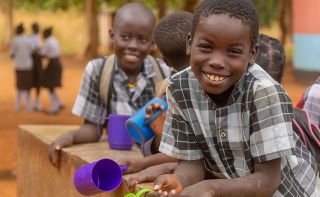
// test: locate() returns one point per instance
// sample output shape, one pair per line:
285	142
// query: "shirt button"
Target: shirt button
223	134
212	132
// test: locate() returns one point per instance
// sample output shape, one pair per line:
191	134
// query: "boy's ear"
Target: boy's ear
253	54
152	46
111	35
188	44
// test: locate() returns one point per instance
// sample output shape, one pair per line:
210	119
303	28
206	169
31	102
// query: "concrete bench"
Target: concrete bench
36	176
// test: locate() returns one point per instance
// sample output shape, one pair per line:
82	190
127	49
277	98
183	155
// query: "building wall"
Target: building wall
306	38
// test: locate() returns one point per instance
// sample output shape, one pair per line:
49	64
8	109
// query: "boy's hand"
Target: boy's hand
157	124
56	146
150	174
134	165
166	185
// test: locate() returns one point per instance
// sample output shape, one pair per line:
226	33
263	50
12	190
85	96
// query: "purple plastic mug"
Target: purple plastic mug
118	136
101	176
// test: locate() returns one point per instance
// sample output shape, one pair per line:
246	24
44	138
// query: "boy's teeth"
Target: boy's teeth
214	77
131	56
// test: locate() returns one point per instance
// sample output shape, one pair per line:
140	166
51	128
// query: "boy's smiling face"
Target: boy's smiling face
220	52
132	37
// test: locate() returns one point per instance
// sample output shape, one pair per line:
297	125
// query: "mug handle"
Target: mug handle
153	117
139	193
123	168
99	123
143	191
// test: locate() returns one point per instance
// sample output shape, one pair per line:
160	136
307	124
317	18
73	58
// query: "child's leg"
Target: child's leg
26	94
58	100
17	106
54	104
37	105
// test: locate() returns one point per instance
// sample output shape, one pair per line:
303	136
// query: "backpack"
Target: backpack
107	74
303	96
308	132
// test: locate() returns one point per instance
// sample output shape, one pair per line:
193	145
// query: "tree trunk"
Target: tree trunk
285	19
162	5
190	5
92	29
6	9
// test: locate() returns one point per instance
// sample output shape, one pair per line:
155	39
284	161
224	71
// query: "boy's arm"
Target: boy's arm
263	182
157	126
136	165
86	133
186	173
152	145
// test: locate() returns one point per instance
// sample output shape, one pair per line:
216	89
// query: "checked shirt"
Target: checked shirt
254	127
89	105
312	102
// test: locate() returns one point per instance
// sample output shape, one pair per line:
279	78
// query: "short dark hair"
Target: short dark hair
239	9
35	27
20	29
133	7
171	34
47	32
271	56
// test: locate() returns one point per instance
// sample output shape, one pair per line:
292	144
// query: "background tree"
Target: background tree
270	11
285	19
6	7
190	5
92	29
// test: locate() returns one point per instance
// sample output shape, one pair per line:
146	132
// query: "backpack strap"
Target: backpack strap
106	75
159	76
314	130
311	132
300	132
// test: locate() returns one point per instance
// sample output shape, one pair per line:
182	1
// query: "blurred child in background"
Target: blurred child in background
53	72
37	65
21	50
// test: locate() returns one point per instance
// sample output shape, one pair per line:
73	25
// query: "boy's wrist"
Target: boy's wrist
181	180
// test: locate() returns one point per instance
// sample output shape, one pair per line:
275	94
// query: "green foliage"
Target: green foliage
267	8
267	11
48	4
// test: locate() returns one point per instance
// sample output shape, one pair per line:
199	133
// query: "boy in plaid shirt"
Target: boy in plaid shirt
228	116
132	85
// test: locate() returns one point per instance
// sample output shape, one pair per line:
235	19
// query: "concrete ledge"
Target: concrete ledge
37	177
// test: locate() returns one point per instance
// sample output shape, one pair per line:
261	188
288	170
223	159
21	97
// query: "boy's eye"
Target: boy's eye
234	51
143	40
205	46
125	37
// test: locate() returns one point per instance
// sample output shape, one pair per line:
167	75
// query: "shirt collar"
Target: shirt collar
147	69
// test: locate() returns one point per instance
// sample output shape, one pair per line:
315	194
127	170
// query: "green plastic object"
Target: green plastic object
139	193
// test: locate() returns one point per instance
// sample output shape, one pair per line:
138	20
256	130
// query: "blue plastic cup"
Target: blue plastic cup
104	175
139	128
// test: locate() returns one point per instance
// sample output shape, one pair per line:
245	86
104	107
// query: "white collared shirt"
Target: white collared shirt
21	48
51	48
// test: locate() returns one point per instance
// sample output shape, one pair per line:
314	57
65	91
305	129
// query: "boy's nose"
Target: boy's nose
217	59
133	44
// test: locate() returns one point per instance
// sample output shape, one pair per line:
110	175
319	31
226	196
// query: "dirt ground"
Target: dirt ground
72	73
